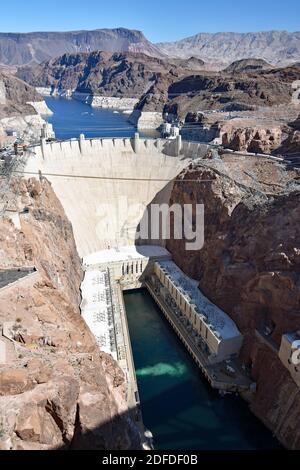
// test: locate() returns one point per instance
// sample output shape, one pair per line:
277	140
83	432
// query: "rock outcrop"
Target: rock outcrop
21	107
99	73
248	65
15	96
290	146
253	139
57	389
250	267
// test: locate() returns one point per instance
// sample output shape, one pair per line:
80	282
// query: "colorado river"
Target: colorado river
178	406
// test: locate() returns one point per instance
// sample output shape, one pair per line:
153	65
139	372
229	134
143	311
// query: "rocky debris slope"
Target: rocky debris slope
250	267
57	389
276	47
28	48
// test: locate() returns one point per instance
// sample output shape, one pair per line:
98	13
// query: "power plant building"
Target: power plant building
214	327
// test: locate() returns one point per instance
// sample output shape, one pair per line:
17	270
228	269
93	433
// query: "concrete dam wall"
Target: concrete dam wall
105	184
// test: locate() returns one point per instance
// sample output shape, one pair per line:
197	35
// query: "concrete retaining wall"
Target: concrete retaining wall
146	119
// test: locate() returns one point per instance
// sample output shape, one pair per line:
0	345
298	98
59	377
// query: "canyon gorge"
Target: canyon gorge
80	276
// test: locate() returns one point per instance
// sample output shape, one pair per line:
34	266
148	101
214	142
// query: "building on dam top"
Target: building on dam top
217	331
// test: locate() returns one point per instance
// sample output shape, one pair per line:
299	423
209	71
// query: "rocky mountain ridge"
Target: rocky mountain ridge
28	48
166	85
118	74
276	47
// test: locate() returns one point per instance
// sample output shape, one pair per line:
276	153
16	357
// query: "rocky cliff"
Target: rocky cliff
217	91
251	139
57	389
15	95
250	267
21	110
246	93
178	87
102	73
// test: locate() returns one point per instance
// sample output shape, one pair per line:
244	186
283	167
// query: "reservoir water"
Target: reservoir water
178	405
71	118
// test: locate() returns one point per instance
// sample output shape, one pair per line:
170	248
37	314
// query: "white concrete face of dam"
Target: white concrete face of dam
105	184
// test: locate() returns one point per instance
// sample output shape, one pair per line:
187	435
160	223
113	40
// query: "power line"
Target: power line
114	178
105	178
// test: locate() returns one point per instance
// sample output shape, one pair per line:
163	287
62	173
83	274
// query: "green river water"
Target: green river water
178	405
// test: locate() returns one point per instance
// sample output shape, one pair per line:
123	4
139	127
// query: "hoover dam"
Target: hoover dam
105	187
149	242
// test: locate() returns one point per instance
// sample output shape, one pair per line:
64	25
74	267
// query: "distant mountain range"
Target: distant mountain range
275	47
28	48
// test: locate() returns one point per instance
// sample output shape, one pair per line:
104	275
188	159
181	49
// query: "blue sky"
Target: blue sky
159	20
